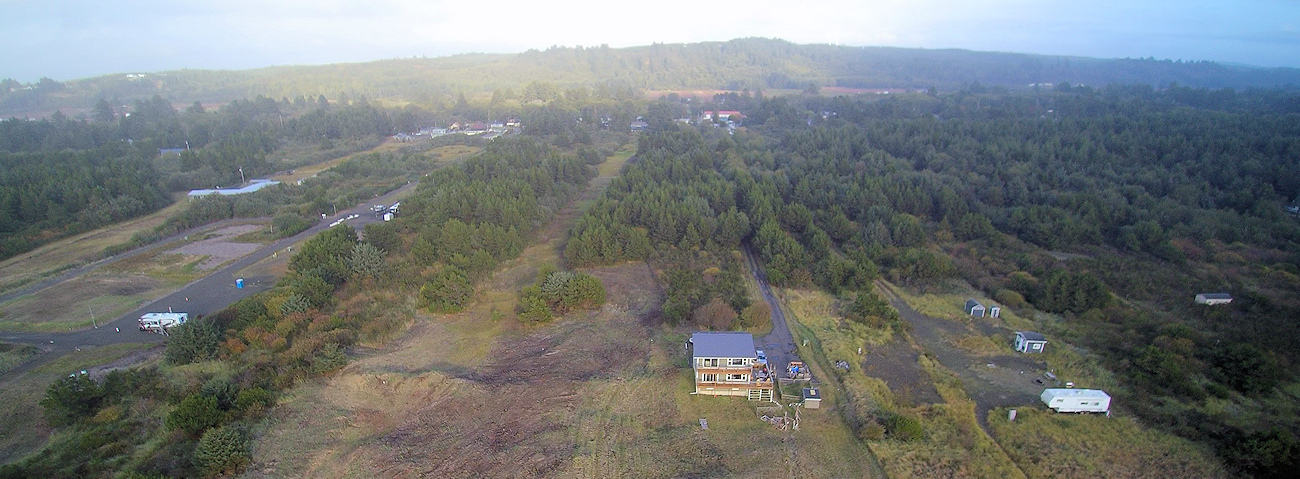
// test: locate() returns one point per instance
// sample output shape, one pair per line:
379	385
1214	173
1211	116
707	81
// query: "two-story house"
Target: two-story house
726	364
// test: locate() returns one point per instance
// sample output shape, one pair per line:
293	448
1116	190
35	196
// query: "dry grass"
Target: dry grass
596	394
69	252
1047	444
953	444
25	430
69	305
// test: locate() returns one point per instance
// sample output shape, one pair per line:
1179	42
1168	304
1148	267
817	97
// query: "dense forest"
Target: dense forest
1160	194
753	63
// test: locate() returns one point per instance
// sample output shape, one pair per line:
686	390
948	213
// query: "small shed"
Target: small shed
1030	342
1211	299
812	399
974	308
1076	400
995	311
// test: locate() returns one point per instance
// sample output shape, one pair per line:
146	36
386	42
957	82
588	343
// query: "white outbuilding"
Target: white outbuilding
1076	400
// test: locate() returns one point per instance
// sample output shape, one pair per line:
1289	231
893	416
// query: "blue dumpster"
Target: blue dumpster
239	283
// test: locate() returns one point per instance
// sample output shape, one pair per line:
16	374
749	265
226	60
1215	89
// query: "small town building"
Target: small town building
1076	400
1030	342
726	364
812	398
974	308
1211	299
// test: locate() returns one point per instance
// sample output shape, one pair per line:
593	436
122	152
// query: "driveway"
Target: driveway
779	343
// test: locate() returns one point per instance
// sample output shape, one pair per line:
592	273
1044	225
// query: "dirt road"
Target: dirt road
202	297
779	343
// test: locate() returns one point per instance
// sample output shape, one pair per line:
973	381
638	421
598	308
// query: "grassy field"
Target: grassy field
70	252
1047	444
24	429
108	291
951	445
11	355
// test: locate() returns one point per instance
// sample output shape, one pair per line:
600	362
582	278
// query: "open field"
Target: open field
1048	444
70	252
24	429
603	393
951	444
123	285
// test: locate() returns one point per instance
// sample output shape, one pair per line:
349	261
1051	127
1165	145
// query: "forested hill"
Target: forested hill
756	64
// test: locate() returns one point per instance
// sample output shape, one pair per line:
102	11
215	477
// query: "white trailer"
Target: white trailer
1076	400
160	321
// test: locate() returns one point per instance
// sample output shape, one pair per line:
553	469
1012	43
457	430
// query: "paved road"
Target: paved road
778	344
202	297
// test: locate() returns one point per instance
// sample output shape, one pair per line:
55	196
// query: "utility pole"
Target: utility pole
92	317
241	176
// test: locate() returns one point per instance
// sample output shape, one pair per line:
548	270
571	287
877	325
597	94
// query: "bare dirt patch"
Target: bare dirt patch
219	247
896	364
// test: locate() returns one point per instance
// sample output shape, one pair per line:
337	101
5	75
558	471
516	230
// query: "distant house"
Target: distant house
639	125
726	364
1030	342
1211	299
721	115
170	151
974	308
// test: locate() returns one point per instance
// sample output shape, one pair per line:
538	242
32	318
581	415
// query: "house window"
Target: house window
709	362
736	362
709	378
735	377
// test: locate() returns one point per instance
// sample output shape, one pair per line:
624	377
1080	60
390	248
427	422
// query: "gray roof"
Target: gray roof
970	303
1031	336
1216	295
723	345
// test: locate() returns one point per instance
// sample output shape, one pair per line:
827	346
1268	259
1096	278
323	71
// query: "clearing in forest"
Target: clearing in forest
603	393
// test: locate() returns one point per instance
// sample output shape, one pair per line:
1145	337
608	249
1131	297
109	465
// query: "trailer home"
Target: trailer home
1076	400
159	321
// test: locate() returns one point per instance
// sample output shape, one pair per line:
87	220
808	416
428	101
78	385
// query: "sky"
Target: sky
70	39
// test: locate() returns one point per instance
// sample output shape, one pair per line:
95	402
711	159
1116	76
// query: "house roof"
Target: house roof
1031	336
723	345
970	303
1216	295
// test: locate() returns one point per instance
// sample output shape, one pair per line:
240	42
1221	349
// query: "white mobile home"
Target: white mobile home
1076	400
159	321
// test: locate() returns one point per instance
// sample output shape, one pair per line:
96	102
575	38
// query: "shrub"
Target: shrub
194	341
71	399
755	314
904	428
252	399
195	414
221	451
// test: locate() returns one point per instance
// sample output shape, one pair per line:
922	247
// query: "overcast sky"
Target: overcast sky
79	38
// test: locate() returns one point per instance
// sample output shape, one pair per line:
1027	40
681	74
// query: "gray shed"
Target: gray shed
974	308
